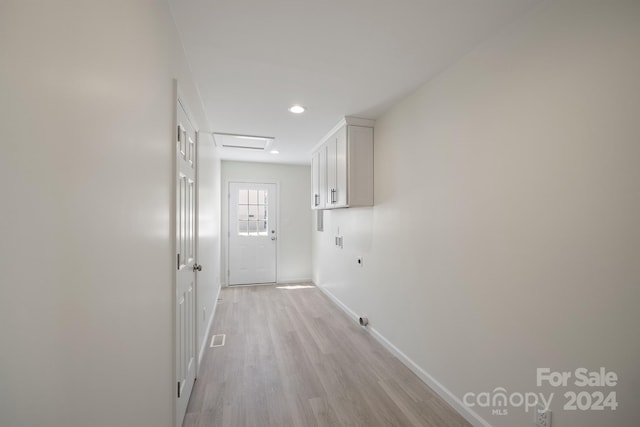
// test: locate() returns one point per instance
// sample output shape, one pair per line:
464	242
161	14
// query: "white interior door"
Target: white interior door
252	233
186	193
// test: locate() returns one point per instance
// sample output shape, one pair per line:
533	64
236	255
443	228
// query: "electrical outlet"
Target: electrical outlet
543	418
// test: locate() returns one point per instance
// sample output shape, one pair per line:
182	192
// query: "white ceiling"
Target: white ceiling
253	59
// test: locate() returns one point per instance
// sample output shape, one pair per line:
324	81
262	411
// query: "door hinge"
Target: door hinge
178	389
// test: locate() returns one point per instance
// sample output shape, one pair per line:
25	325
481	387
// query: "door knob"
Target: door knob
197	267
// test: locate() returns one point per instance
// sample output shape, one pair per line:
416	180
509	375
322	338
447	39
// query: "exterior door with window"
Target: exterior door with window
252	233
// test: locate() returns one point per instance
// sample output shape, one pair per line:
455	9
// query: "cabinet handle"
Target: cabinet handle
333	193
316	199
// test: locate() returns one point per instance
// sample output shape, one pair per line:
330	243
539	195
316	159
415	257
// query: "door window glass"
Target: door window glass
252	212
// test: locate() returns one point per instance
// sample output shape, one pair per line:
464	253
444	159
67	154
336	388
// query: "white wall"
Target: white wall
208	280
86	314
504	235
294	234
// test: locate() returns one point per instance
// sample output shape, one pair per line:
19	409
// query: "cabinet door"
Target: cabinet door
342	160
322	177
315	180
319	178
331	172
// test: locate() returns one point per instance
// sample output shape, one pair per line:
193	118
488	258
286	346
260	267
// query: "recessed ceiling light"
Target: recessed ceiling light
274	152
297	109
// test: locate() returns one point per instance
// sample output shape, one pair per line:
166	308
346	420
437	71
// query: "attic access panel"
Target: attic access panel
242	142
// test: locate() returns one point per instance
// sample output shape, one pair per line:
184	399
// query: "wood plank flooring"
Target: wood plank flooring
292	358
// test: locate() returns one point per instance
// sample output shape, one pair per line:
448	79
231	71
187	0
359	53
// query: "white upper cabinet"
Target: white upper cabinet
342	166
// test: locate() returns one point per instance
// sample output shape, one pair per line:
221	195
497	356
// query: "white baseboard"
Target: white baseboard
278	282
209	324
286	281
469	414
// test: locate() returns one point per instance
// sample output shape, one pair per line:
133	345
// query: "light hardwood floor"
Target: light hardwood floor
292	358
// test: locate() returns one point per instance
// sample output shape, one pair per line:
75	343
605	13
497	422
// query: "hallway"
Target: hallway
292	358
